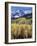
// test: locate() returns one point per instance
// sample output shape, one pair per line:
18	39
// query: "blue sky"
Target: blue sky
14	8
20	10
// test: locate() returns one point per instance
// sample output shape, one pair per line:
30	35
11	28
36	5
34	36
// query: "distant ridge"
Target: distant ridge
21	13
26	16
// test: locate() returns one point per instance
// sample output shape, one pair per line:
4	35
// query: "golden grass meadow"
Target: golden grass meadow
21	28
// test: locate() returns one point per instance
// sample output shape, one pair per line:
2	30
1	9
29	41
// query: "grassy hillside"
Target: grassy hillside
21	28
20	20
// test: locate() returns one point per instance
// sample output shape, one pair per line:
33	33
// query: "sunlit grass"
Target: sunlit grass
21	19
21	29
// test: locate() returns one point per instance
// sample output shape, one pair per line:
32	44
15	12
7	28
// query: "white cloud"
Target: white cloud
16	16
28	11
